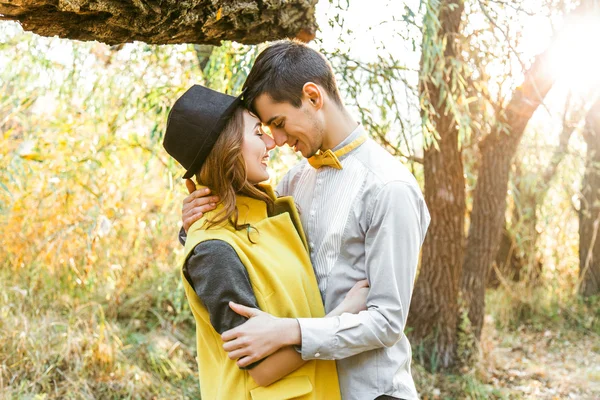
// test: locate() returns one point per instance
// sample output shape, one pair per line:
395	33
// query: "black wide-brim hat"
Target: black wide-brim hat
195	123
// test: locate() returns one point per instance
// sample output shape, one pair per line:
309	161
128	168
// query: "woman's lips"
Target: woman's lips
265	160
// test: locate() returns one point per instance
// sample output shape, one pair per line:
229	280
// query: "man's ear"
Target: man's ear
314	94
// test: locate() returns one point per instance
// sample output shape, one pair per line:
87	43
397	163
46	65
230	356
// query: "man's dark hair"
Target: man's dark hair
283	68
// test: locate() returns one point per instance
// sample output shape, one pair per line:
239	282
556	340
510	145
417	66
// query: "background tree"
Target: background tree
517	257
589	211
489	198
434	313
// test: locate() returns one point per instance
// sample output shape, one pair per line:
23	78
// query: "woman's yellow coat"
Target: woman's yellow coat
284	284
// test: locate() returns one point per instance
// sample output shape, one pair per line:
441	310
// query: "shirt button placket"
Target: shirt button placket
313	210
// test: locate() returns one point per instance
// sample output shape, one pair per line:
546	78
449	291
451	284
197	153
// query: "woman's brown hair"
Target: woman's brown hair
224	172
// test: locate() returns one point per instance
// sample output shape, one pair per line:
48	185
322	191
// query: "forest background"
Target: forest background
494	106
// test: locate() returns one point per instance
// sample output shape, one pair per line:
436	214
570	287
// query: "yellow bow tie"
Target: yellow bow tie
330	158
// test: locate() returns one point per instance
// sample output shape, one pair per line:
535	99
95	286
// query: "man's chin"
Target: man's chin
312	153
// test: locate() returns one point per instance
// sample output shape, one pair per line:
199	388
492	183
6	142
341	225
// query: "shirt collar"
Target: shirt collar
356	133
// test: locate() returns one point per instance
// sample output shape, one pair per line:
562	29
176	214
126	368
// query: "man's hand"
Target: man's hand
196	204
260	336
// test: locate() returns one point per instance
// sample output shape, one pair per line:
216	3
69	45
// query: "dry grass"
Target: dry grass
58	346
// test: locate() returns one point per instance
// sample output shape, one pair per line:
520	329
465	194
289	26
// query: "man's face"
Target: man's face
300	128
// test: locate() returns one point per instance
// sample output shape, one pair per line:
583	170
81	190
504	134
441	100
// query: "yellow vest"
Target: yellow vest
284	284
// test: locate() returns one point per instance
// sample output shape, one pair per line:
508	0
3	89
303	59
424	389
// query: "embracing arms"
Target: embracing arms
397	222
219	278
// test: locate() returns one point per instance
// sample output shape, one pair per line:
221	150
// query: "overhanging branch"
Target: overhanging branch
165	22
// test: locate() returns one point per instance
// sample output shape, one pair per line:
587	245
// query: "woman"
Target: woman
250	250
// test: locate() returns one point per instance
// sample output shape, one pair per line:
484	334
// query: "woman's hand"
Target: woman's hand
355	301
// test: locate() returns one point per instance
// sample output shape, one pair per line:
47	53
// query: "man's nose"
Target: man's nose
280	137
269	142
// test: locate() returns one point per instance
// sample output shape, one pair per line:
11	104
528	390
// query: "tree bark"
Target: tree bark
517	262
489	199
434	308
487	219
165	22
589	211
508	263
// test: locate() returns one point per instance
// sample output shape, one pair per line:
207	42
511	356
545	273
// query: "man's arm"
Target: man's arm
398	220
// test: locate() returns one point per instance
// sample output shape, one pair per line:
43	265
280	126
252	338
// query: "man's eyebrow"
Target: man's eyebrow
269	122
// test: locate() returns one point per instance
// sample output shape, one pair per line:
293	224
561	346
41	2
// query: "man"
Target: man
365	218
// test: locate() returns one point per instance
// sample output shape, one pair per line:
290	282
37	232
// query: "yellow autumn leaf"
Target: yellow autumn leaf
32	157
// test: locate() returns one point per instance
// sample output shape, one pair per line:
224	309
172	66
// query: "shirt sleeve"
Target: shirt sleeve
218	276
398	221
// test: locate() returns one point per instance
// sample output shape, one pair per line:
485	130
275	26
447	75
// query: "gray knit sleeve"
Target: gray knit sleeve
218	276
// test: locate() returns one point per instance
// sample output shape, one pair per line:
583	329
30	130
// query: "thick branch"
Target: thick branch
165	22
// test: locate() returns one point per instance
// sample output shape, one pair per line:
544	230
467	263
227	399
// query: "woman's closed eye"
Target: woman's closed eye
258	131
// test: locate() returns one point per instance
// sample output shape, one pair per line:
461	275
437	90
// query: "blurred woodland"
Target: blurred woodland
494	105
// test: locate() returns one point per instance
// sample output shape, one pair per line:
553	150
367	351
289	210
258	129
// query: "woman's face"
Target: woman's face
255	149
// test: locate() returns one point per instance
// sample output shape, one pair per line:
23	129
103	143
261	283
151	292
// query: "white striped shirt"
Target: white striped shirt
365	221
325	199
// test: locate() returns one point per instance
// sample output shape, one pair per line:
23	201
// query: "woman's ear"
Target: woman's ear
314	94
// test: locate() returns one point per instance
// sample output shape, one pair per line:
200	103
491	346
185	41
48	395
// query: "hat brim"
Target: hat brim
216	131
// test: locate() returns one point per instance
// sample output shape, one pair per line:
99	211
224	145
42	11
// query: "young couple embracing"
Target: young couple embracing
301	292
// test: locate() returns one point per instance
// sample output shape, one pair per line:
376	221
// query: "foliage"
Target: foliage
89	206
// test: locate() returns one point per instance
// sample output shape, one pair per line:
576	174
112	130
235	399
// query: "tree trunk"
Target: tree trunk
519	261
434	308
508	263
489	200
166	22
487	220
589	211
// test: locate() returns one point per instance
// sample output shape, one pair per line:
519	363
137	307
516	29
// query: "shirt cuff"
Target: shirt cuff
318	337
